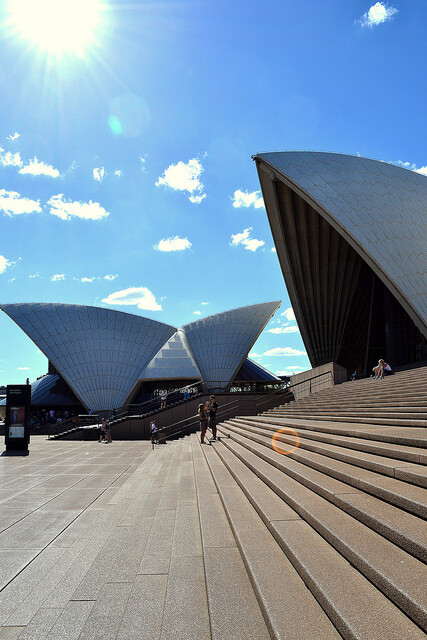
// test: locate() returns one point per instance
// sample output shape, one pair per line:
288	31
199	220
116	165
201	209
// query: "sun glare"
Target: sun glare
58	26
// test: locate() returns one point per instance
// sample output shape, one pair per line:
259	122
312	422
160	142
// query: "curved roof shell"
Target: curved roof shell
379	208
220	343
50	390
100	353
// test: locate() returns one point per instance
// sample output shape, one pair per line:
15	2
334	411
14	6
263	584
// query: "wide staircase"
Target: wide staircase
326	498
304	523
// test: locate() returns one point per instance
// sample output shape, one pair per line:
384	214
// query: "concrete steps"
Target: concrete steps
319	533
411	472
357	576
346	502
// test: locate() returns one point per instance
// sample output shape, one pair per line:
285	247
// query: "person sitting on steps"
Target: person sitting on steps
381	369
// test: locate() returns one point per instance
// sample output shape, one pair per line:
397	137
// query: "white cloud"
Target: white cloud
143	161
4	264
288	371
243	238
284	330
204	303
12	203
66	209
185	177
23	368
408	165
284	351
85	279
197	199
197	313
253	244
289	314
118	173
273	249
110	276
379	12
255	355
14	136
139	296
245	199
57	277
12	280
98	174
34	275
173	244
36	168
9	159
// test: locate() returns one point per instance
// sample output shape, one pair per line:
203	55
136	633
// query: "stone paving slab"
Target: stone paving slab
186	614
143	617
289	606
233	607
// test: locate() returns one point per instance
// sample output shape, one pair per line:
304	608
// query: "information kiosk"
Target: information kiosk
17	422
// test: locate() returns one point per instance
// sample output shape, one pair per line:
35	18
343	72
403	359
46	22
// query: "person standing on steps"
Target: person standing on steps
153	432
203	420
163	399
213	407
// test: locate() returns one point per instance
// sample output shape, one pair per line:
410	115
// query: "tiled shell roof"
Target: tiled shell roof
221	342
379	207
99	352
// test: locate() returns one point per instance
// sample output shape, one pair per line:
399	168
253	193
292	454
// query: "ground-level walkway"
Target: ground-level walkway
105	541
190	542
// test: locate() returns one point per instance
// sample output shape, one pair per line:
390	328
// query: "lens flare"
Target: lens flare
115	125
286	430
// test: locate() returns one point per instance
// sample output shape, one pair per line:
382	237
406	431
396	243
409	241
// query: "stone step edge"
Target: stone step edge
410	545
404	453
347	477
325	427
341	618
406	473
346	410
390	422
370	572
274	615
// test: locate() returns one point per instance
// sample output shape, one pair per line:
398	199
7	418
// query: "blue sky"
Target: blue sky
126	177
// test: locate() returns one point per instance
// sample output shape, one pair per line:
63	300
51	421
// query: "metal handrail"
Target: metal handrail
288	389
319	375
195	420
76	422
141	406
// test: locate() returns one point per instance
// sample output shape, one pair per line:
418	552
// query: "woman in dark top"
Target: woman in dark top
203	418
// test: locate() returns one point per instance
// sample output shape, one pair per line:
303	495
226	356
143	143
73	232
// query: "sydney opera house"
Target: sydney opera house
350	235
103	358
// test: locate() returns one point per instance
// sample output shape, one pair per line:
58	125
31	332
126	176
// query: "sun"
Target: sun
58	26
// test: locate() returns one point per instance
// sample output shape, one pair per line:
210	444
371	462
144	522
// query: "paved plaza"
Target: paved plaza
105	541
